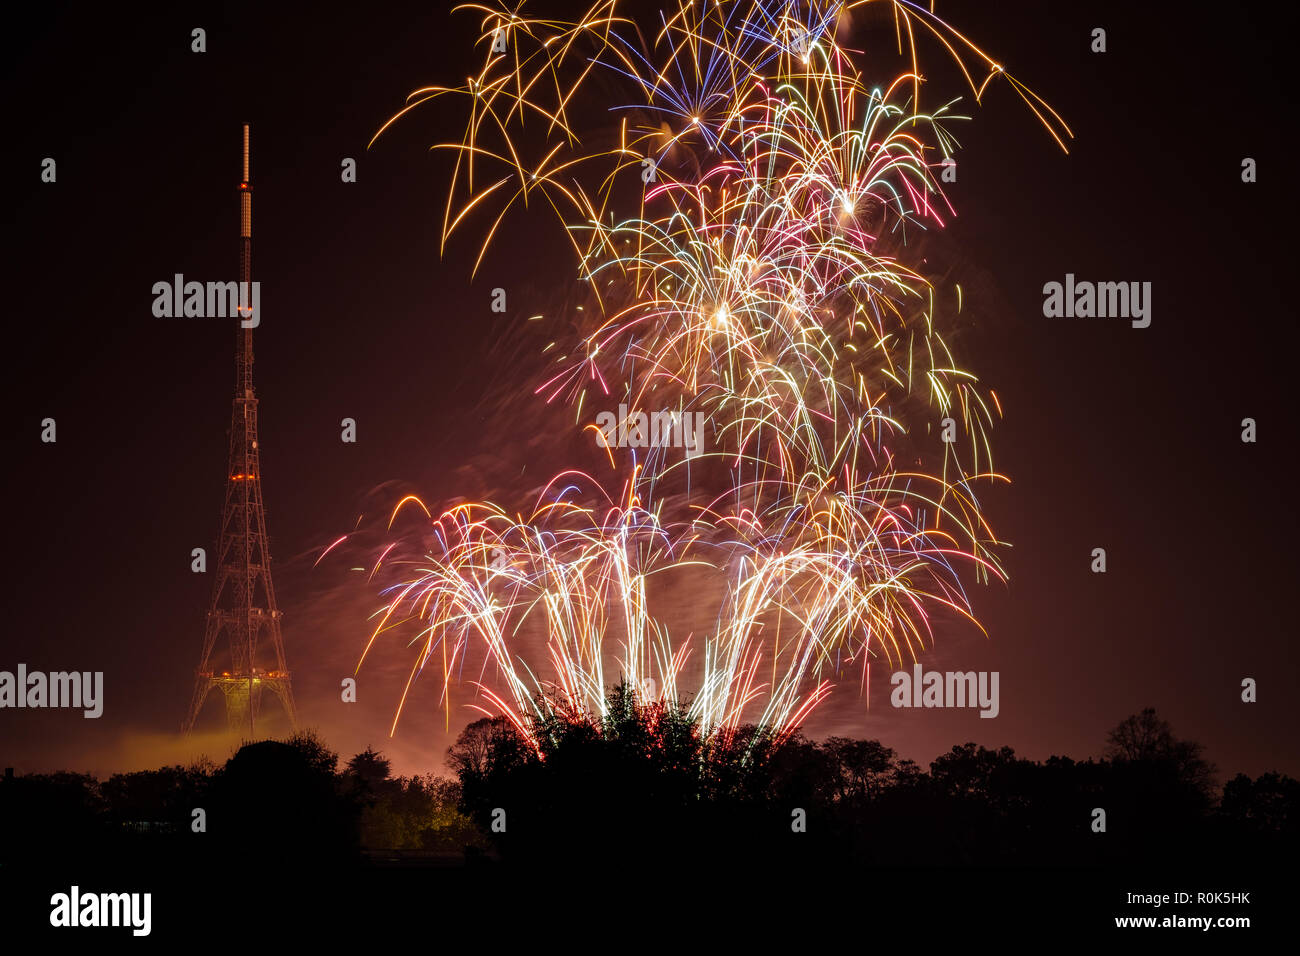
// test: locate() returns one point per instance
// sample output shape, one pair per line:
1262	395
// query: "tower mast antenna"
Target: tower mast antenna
243	598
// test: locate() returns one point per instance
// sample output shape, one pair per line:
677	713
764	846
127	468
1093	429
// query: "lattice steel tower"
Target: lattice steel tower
243	599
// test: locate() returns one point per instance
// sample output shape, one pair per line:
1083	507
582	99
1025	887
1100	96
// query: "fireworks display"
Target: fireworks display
743	213
731	463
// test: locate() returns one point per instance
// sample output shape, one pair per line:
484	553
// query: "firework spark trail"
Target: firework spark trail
761	285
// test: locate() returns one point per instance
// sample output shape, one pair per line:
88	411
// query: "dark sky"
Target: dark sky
1113	437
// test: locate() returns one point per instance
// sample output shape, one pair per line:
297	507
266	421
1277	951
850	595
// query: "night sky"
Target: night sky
1114	437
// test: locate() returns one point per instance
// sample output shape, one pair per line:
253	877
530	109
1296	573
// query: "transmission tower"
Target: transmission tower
243	599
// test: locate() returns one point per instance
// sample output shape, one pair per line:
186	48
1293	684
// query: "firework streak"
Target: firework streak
760	282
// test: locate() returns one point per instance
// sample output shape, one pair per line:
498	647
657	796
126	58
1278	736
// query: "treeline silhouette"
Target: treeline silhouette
288	798
643	779
643	784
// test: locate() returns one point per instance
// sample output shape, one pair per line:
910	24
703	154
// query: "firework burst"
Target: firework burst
759	281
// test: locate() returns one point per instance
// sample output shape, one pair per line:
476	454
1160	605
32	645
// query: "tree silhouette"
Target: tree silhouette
1146	739
370	767
863	767
287	792
1268	803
